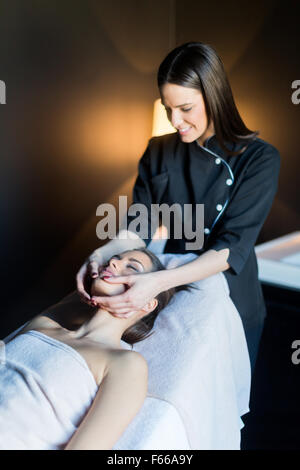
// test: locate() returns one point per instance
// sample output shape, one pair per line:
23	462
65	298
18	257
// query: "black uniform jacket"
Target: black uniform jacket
235	204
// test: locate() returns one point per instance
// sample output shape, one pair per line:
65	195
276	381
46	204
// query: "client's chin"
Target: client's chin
100	287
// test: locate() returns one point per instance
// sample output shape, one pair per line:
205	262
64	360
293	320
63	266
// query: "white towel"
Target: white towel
46	388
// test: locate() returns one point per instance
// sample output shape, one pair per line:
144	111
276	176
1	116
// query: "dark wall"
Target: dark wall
81	80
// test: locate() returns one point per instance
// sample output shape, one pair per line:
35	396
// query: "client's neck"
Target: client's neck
103	328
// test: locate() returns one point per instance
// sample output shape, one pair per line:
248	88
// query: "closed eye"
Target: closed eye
133	267
184	110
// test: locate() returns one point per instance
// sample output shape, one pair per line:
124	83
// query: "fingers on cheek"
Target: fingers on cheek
128	300
117	315
114	310
129	314
109	310
120	312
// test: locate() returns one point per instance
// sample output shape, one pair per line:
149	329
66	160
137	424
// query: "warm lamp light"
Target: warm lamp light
161	124
161	233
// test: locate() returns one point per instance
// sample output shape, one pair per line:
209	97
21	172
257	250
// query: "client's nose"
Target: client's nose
114	265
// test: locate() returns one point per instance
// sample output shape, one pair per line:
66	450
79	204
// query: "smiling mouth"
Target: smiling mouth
184	131
106	274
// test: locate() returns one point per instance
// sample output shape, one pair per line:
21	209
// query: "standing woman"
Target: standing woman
215	160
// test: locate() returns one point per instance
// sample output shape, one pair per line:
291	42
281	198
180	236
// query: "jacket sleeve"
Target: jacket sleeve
246	213
139	221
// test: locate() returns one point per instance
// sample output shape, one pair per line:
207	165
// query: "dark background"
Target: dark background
81	81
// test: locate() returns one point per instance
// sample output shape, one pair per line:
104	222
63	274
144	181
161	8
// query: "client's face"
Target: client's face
129	262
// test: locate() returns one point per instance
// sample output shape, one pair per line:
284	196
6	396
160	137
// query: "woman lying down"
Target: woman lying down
66	388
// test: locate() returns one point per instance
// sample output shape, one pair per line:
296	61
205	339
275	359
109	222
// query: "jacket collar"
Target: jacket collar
211	143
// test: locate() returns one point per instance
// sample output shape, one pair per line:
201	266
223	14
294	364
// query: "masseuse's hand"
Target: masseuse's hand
142	288
90	269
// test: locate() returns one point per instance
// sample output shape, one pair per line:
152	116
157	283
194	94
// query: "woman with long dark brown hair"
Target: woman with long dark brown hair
212	159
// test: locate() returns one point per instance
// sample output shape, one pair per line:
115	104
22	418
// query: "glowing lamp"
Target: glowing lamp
161	124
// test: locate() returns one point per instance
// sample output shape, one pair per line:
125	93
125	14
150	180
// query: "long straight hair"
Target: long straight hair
197	65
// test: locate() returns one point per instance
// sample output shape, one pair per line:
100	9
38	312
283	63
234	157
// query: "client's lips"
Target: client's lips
106	273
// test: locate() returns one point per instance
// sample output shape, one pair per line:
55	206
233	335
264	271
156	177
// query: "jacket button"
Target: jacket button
206	231
219	207
217	161
229	182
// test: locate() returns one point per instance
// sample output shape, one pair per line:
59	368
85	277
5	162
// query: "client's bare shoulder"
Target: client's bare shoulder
39	322
126	376
109	361
123	358
133	365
